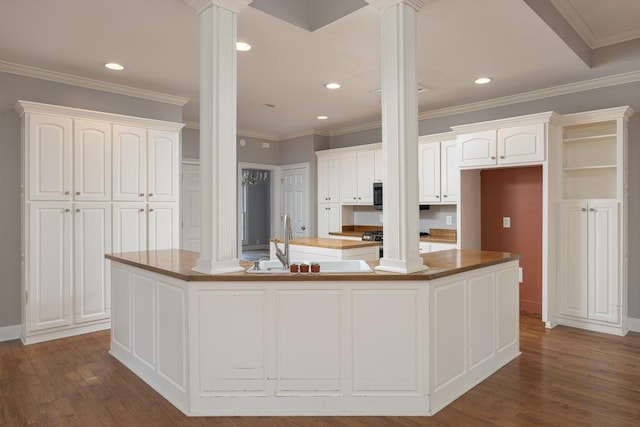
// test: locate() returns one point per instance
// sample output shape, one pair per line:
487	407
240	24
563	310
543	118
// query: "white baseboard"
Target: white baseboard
633	324
8	333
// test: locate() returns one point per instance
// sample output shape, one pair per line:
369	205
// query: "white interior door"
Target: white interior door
191	207
295	197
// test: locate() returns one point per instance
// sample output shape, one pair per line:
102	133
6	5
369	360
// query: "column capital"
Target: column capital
233	5
385	4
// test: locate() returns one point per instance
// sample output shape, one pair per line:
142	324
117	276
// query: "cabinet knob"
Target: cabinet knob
77	193
354	198
141	194
583	209
444	195
66	193
67	210
150	194
591	209
493	157
78	210
150	210
359	198
502	157
437	197
141	209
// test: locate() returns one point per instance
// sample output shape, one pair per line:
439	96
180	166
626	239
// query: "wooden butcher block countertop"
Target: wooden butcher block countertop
327	243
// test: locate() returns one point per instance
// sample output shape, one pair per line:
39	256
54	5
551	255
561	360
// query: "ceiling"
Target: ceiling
526	46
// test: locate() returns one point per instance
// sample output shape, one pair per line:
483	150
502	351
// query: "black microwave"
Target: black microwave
377	195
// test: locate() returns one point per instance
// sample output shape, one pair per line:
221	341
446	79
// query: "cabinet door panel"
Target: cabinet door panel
92	237
365	172
162	166
603	261
328	179
429	172
521	144
477	149
572	259
129	227
378	165
49	283
49	143
163	226
92	160
348	179
450	172
129	163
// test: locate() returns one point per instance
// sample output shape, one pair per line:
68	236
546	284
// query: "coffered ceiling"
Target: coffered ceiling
526	46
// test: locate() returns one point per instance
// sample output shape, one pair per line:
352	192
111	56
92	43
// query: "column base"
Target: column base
401	266
206	266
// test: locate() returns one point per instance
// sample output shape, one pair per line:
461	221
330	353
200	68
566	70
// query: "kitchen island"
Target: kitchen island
373	343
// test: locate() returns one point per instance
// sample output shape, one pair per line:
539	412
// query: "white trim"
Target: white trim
304	133
191	125
35	107
633	324
258	135
8	333
68	79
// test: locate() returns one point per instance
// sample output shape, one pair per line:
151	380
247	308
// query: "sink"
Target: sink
326	266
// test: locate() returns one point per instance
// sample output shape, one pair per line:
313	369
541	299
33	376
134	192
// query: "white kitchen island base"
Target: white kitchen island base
364	346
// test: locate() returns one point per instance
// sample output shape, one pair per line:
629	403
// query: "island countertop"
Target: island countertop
178	263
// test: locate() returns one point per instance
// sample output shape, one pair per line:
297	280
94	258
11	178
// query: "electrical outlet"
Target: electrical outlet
381	219
448	219
520	274
506	222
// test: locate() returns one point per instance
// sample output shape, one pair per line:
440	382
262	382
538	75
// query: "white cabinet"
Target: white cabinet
48	145
92	239
49	268
378	166
328	178
328	219
439	175
522	144
144	226
427	247
589	260
75	163
356	177
92	160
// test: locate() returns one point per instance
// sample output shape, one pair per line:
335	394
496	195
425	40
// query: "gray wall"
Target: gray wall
12	89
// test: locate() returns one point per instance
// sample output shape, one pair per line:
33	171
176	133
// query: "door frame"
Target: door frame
311	218
274	194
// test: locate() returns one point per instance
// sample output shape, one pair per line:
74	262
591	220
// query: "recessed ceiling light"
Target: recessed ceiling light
242	46
322	117
114	66
332	85
483	80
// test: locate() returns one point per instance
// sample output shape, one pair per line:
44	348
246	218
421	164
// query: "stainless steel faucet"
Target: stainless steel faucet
284	257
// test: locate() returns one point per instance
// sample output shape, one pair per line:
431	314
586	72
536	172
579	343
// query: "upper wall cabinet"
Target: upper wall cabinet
519	141
438	172
49	150
356	177
328	178
92	160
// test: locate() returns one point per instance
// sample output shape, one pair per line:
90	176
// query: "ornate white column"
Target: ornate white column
400	135
218	159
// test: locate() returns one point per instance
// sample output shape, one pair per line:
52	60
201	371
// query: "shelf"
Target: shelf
588	138
581	168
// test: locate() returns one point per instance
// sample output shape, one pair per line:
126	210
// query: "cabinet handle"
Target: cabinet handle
444	195
493	157
437	197
359	198
502	157
141	194
141	209
150	210
354	198
583	209
78	210
66	193
591	209
67	210
150	194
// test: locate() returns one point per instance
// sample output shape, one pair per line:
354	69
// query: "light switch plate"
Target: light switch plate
506	222
448	219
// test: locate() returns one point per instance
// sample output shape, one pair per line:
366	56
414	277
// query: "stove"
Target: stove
373	236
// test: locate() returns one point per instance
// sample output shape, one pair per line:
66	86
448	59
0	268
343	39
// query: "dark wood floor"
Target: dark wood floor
564	377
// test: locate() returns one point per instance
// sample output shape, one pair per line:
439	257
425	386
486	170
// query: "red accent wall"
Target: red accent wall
516	193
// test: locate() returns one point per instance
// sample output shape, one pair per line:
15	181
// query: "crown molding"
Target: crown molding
68	79
257	135
232	5
303	133
191	125
385	4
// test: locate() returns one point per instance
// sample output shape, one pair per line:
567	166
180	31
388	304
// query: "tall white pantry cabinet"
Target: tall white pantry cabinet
82	173
592	220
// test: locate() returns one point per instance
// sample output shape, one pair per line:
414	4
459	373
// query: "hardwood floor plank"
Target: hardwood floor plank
564	377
